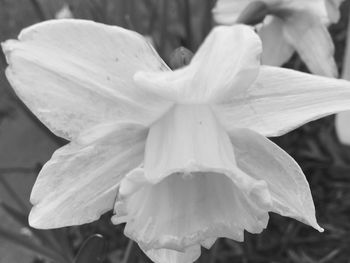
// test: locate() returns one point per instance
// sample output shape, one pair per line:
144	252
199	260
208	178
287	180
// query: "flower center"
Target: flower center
187	139
190	190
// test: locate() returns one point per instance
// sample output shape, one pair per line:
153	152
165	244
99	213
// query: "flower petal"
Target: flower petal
342	126
208	243
226	12
276	50
282	99
74	74
172	256
227	62
263	160
333	12
315	7
80	181
189	190
188	138
309	36
184	210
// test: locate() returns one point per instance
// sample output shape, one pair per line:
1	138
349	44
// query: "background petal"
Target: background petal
309	36
226	12
282	99
342	119
276	50
74	74
316	7
80	181
226	63
342	126
263	160
332	7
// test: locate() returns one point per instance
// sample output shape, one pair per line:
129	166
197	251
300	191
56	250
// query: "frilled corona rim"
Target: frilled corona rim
185	209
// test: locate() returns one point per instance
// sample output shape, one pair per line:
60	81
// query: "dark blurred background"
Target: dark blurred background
25	145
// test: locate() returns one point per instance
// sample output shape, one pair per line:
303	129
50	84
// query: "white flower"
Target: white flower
299	25
180	155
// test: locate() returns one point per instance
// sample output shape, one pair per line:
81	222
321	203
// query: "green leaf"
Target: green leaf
21	218
30	245
46	237
15	196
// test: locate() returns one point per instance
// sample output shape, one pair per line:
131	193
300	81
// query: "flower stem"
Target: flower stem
187	21
13	194
128	251
163	23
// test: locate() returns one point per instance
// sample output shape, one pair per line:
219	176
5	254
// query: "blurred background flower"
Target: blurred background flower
342	120
290	25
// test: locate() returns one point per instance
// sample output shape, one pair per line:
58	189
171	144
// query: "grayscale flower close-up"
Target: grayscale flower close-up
175	132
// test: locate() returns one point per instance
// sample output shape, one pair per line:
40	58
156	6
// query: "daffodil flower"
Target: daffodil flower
181	156
294	25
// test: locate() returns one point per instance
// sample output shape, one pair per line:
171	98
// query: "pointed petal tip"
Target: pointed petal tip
7	48
313	223
316	226
39	218
36	221
309	220
320	229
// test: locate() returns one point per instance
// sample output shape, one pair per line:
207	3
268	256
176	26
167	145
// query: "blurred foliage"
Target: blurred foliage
172	24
